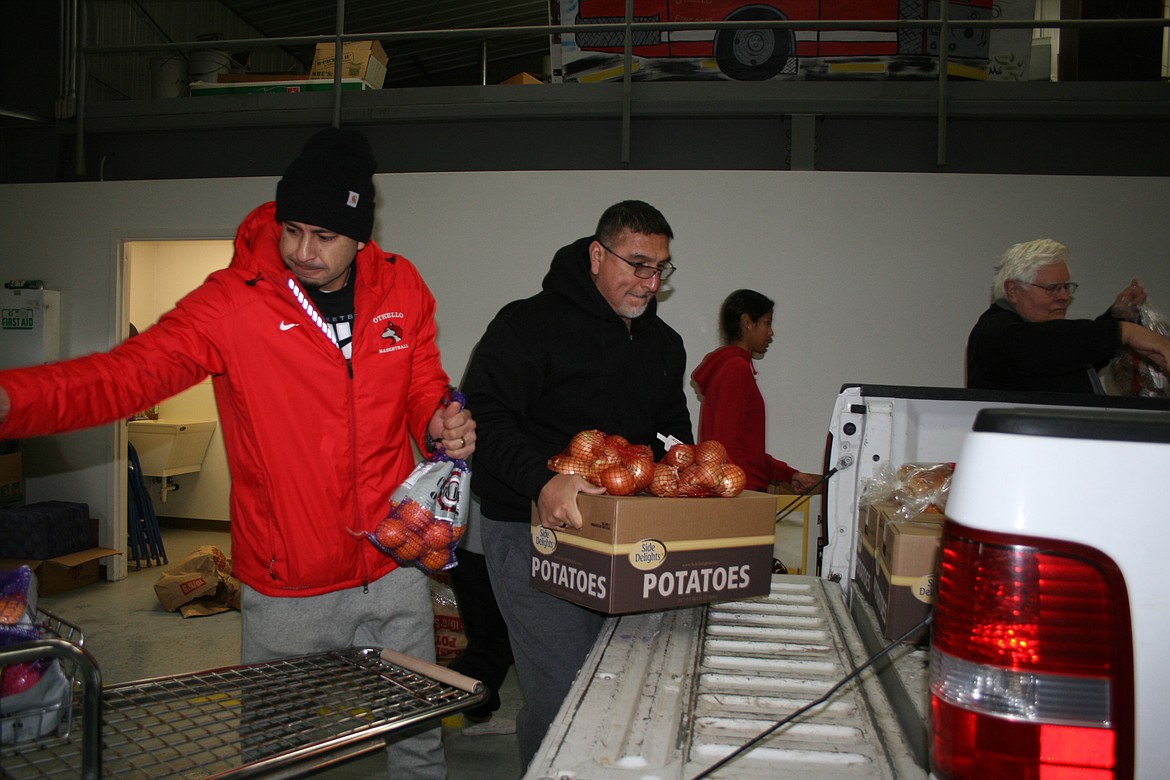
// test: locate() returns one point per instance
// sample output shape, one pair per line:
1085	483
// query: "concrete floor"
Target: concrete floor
134	638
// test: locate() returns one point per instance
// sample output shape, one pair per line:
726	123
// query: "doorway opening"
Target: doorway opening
157	274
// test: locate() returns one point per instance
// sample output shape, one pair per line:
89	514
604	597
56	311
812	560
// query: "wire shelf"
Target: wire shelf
283	717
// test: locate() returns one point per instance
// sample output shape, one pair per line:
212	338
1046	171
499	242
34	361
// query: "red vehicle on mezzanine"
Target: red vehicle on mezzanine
748	54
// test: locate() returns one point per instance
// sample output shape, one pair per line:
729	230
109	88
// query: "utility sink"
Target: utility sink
169	447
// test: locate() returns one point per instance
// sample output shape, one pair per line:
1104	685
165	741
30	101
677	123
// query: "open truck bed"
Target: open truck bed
668	694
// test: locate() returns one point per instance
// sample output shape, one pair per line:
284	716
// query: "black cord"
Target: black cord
786	511
827	695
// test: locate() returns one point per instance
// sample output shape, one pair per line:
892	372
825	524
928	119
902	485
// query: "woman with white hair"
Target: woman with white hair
1024	342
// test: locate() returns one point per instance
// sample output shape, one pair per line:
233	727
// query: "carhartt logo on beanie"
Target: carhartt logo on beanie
331	184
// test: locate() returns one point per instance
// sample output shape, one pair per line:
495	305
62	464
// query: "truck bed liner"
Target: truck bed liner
668	694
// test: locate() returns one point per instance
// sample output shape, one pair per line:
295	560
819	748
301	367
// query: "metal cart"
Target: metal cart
282	718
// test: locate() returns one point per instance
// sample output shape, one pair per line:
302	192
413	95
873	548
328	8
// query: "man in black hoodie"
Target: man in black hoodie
587	352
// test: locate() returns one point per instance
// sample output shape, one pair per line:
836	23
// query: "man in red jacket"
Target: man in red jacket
322	351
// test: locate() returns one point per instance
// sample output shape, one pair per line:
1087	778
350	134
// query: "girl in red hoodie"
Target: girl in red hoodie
733	408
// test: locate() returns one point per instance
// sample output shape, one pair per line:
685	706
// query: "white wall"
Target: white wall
878	276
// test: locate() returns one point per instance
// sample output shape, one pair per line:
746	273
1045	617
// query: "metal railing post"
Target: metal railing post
627	75
338	50
79	79
943	74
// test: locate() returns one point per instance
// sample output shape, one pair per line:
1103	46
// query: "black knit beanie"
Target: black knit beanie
331	184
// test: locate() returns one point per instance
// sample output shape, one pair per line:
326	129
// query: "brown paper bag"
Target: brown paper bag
225	598
200	584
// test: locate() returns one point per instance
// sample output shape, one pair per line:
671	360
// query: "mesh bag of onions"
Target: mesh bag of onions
623	469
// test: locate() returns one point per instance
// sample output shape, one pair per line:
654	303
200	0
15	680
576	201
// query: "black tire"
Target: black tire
753	55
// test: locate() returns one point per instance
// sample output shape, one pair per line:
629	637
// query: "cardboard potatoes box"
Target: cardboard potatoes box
869	521
65	572
11	479
640	553
365	60
907	569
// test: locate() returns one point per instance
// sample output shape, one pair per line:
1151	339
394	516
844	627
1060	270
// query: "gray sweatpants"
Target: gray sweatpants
550	637
395	613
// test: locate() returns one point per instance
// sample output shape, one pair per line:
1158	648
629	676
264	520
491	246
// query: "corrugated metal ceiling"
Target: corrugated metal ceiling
418	61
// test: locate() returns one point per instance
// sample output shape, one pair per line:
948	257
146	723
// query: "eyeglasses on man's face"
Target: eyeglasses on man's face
644	270
1058	287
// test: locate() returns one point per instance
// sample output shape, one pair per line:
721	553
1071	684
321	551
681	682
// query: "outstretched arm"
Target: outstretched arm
1152	346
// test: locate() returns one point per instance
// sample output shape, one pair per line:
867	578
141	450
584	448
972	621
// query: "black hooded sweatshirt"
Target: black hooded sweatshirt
561	362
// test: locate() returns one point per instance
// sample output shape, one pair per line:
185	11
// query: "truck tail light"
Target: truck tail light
1031	661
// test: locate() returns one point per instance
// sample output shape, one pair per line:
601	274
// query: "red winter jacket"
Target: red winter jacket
733	414
314	446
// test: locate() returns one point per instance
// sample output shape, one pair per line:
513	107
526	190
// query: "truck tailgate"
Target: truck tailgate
668	694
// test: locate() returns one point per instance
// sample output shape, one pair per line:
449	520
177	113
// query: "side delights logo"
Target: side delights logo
544	540
648	554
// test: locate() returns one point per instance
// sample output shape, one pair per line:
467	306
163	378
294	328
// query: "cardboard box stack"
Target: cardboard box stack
907	566
641	553
899	527
869	518
363	66
57	540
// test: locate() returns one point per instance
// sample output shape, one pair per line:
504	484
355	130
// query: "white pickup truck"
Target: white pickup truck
1051	623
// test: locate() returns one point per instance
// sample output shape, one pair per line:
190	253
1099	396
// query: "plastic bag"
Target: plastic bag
428	512
914	488
17	606
879	488
924	487
450	639
33	694
1129	374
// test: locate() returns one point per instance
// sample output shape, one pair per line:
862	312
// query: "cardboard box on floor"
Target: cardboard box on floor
11	479
66	572
365	60
640	553
907	569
